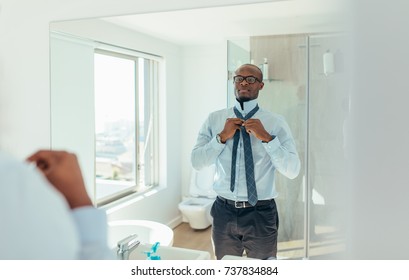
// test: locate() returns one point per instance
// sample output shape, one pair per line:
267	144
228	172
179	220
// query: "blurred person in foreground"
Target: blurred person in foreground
46	211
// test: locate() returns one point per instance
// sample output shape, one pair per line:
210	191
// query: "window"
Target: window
126	146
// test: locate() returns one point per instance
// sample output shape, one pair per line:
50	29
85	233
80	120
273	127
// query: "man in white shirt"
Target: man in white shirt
48	214
245	218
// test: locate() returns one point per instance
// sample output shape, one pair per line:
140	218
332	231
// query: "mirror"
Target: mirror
193	61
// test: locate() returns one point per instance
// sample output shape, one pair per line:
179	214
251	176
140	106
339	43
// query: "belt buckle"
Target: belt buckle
240	204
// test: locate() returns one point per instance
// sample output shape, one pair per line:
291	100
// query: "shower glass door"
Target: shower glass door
313	104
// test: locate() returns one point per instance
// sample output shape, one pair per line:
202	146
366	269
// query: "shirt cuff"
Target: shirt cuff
272	146
216	145
92	224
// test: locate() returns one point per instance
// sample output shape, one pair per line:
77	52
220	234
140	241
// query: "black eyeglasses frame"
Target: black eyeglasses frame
245	79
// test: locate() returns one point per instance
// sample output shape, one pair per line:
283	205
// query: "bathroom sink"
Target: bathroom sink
147	231
169	253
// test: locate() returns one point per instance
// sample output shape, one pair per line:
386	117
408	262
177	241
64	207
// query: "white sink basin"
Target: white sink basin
169	253
148	232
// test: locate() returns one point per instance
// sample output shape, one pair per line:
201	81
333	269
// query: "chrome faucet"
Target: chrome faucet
126	246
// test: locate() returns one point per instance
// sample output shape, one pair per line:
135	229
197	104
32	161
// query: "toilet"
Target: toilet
196	207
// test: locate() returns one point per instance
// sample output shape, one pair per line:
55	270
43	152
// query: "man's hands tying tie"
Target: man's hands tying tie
252	126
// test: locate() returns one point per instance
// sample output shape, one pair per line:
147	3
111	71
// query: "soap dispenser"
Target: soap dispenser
151	255
264	69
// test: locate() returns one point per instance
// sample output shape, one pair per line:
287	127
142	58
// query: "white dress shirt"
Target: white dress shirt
278	154
37	223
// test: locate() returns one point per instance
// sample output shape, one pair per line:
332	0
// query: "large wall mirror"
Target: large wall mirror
117	83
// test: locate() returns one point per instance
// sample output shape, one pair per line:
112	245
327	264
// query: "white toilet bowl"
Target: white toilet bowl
196	211
196	207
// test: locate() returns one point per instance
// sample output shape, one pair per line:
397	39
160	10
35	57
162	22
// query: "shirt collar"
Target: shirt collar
248	106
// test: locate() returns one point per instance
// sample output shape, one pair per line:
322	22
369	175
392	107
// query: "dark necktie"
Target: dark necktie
248	158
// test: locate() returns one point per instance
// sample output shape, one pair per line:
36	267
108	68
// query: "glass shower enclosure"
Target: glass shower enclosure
306	85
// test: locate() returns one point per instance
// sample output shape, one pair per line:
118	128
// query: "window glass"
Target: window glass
125	148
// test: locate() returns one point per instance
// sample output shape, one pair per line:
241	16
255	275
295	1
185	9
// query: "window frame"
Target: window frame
155	63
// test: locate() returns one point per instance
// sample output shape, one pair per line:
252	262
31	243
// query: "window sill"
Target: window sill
130	199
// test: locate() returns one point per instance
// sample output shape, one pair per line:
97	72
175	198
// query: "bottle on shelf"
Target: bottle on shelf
264	69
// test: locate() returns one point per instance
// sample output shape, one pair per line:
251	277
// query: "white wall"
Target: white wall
204	90
72	102
379	133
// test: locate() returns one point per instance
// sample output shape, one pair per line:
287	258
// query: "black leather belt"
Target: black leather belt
244	204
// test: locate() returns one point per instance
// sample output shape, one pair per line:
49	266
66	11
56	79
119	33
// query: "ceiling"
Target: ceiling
214	25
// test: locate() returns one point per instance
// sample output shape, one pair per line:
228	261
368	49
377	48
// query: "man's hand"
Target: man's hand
62	170
230	127
255	127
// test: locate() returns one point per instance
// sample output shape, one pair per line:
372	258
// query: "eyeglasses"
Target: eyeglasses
249	79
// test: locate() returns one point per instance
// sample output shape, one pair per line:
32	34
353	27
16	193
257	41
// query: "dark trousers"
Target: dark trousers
253	229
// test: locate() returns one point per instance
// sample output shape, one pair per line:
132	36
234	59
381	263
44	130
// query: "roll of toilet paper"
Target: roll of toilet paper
329	66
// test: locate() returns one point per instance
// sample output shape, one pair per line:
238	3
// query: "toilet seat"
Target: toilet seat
196	211
198	202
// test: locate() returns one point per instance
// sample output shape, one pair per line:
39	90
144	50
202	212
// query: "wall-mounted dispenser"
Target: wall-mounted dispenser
328	60
264	69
